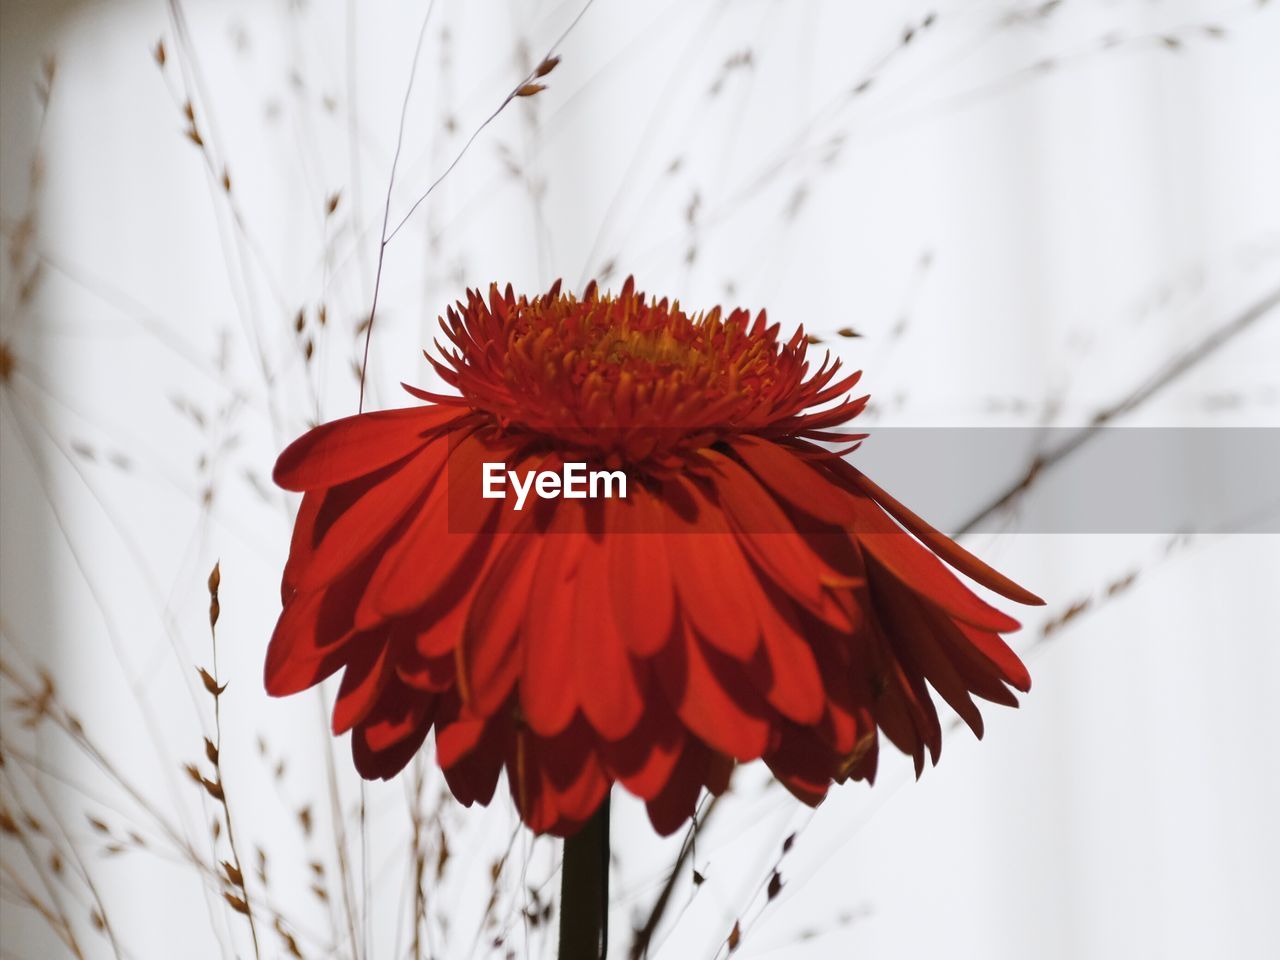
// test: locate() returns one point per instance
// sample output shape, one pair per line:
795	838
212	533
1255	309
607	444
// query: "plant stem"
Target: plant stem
584	890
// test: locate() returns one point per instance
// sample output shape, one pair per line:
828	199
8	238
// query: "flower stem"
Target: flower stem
584	890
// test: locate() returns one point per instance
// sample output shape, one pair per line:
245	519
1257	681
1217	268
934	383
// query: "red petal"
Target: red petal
383	748
995	650
919	569
643	761
402	713
605	675
438	552
364	525
473	776
309	639
912	636
440	632
530	787
574	773
842	665
712	578
457	740
488	657
441	622
719	771
302	545
793	480
769	538
639	574
319	510
353	447
432	674
287	671
548	693
678	802
903	709
943	546
712	697
982	658
803	765
366	676
784	668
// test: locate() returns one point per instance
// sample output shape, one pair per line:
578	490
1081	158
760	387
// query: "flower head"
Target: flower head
633	379
754	596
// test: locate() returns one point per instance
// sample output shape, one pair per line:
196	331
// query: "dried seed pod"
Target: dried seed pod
775	885
210	684
234	876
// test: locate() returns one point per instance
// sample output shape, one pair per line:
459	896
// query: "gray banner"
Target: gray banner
1029	480
1091	480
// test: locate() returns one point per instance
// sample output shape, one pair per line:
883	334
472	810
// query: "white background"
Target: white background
1017	244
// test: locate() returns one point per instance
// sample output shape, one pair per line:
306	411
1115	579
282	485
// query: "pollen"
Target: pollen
632	377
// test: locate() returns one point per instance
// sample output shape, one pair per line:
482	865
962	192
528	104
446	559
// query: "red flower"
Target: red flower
752	597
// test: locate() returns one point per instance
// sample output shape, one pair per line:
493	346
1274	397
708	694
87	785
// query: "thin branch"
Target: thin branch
236	877
520	89
391	182
339	829
1170	372
640	945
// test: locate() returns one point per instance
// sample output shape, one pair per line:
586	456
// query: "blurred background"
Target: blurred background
1007	214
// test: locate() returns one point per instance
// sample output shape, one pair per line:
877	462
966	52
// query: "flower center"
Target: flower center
629	377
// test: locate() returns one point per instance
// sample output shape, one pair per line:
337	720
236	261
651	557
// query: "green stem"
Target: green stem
584	890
